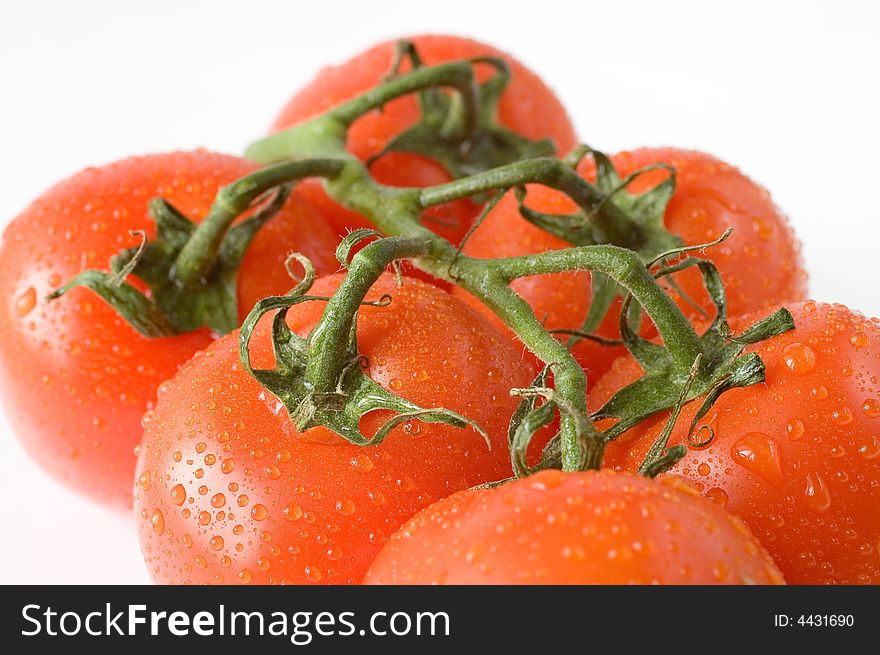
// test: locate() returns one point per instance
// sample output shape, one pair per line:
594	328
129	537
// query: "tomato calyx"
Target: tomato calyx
192	270
464	142
321	380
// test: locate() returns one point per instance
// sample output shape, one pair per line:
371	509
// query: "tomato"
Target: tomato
797	457
229	491
575	528
527	106
76	377
760	262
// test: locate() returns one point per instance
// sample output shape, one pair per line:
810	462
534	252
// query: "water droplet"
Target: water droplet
859	340
758	453
718	496
870	450
245	576
799	358
145	480
216	542
871	408
345	507
396	385
178	494
273	472
227	465
292	512
25	303
243	500
819	393
259	512
842	416
264	563
313	574
794	429
218	501
817	493
157	521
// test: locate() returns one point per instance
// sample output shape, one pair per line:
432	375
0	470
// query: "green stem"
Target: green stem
609	222
625	267
329	339
196	259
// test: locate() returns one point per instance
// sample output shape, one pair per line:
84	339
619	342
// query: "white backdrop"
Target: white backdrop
788	91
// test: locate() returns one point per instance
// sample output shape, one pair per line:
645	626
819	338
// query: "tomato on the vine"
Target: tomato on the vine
596	527
527	107
759	263
797	457
229	491
76	377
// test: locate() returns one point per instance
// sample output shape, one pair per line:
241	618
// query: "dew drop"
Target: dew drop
345	507
216	542
145	480
859	340
758	453
842	416
794	429
157	521
313	574
25	303
871	408
259	512
717	495
227	465
817	493
178	494
245	576
799	358
292	512
218	500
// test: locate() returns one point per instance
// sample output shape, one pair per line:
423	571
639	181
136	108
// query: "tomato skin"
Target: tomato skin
313	508
527	106
797	457
575	528
760	262
75	377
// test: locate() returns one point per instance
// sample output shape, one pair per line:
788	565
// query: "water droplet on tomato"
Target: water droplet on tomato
216	542
145	480
859	340
25	303
817	493
313	573
345	507
227	465
718	496
819	392
245	576
292	512
759	454
871	408
794	429
799	358
842	416
178	494
870	450
218	500
157	521
259	512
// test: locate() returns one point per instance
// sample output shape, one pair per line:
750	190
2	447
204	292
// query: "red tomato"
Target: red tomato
229	491
760	263
575	528
797	457
76	377
527	106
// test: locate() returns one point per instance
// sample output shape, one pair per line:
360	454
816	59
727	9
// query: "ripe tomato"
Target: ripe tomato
527	106
797	457
76	377
575	528
229	491
760	263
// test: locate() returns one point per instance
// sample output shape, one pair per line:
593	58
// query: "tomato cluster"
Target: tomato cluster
779	481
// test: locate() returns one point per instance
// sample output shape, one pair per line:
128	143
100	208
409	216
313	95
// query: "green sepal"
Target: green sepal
355	395
171	307
463	144
645	210
142	313
723	365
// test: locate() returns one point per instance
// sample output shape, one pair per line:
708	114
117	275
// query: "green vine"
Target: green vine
617	236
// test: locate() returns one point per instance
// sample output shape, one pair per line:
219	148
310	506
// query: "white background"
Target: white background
788	91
